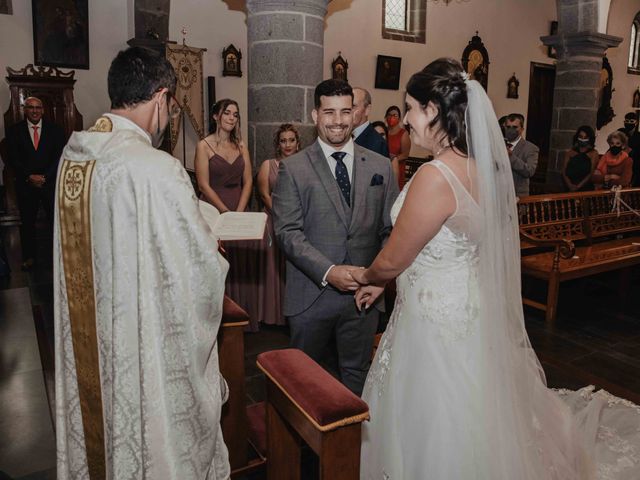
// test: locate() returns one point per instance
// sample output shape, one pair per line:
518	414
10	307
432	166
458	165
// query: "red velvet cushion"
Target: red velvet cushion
323	398
232	312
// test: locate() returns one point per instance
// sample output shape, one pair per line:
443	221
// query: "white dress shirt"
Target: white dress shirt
347	148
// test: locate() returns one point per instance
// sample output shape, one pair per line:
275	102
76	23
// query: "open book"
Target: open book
234	225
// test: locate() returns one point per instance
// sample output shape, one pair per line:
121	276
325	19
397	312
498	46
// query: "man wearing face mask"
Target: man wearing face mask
138	286
522	154
630	129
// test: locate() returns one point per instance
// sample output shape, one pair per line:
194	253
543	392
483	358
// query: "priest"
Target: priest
138	286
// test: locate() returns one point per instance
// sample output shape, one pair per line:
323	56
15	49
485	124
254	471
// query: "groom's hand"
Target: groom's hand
339	276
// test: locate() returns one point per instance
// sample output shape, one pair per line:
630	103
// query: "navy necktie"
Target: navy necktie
342	176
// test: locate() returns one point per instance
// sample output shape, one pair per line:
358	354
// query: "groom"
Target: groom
331	214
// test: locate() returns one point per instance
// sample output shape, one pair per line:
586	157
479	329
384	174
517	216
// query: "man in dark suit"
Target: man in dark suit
34	146
363	133
331	208
523	155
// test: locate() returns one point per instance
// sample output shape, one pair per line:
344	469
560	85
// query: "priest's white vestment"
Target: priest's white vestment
139	274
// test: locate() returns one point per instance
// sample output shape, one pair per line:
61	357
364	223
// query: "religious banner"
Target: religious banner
187	62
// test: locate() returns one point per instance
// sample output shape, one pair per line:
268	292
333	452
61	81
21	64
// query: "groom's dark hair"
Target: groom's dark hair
331	88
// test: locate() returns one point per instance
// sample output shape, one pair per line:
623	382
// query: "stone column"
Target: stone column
286	55
580	49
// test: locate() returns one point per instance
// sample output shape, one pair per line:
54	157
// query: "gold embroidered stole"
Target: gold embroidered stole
74	204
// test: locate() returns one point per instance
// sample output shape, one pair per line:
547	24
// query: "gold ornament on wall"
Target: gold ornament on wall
475	61
187	63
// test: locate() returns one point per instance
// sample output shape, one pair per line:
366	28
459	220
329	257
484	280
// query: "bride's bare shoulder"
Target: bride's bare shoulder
429	181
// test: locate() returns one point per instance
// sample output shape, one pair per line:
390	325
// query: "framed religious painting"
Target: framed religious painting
339	68
388	72
5	7
61	33
231	57
512	86
475	61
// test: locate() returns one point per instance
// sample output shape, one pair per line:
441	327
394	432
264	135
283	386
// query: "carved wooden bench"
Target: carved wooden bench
304	402
586	236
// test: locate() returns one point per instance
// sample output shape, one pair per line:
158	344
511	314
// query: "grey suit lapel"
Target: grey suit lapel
361	182
320	166
518	148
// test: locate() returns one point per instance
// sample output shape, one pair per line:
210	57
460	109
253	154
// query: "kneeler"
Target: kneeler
235	428
304	402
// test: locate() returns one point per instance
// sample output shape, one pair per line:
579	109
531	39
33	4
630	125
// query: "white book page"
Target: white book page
234	225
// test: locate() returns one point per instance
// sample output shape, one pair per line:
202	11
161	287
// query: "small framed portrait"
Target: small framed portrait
339	68
388	72
5	7
61	33
512	87
231	57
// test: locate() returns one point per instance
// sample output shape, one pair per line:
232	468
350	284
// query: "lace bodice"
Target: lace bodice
454	249
456	242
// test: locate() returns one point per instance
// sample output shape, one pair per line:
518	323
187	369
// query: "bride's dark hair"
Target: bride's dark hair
441	83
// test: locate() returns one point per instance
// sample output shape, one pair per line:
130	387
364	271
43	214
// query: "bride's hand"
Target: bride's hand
367	295
358	275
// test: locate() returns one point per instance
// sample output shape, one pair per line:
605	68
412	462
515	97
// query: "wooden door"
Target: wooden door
542	79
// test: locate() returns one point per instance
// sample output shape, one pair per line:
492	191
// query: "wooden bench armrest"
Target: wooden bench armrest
323	400
564	247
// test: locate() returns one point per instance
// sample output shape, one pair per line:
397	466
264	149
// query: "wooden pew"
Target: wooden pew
304	402
235	425
585	235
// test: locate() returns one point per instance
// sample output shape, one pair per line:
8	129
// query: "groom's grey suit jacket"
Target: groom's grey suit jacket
315	227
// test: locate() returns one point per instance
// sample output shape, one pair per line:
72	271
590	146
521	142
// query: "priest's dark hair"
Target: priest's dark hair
136	74
442	83
331	88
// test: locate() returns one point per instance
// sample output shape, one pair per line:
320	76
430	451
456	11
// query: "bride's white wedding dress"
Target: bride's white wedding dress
439	407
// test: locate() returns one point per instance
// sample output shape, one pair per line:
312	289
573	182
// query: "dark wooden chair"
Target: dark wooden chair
55	88
586	234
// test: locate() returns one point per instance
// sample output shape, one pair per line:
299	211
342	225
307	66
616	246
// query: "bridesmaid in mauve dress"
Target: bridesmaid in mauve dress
286	142
223	172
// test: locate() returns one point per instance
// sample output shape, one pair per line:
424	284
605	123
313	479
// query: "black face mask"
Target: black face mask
615	150
511	133
583	143
629	125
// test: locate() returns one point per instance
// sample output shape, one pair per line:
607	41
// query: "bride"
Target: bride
455	390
